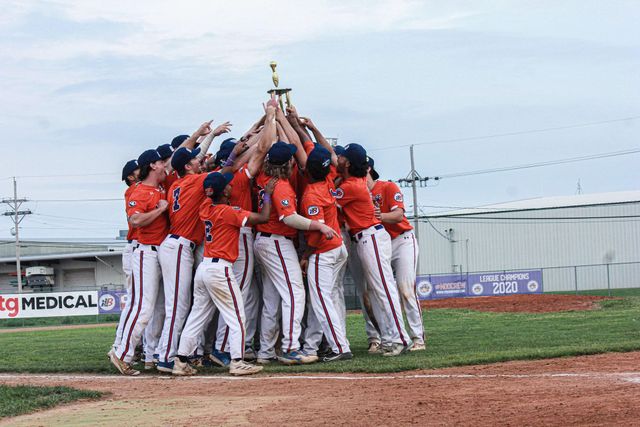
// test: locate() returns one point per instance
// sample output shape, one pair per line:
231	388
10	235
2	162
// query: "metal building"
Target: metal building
77	264
588	241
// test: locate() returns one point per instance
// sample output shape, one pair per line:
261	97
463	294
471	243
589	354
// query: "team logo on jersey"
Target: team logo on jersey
285	202
397	197
132	203
313	210
338	194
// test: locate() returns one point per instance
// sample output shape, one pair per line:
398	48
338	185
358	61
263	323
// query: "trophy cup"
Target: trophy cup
279	91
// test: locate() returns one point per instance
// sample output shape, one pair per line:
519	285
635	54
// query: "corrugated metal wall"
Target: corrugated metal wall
536	239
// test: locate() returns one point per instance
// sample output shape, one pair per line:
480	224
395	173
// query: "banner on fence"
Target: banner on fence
111	302
479	284
54	304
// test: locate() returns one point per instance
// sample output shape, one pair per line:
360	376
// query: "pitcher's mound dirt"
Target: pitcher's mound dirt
534	303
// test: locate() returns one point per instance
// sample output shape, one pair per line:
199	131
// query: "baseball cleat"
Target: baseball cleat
112	351
166	367
308	358
418	346
123	367
156	358
294	358
148	366
240	367
222	356
182	369
396	349
336	357
374	348
249	355
266	360
210	360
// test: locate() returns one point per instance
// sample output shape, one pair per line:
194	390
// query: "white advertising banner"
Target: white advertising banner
55	304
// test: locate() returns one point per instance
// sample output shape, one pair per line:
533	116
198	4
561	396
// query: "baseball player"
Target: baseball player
146	211
241	196
373	247
404	254
176	251
176	254
276	253
130	174
215	283
323	259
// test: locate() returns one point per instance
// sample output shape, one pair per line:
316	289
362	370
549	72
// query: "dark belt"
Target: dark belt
260	233
153	247
215	259
175	236
129	241
358	236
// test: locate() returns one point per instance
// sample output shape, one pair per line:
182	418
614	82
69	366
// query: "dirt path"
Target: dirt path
590	390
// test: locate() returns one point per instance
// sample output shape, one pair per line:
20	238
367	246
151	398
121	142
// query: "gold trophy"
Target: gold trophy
279	91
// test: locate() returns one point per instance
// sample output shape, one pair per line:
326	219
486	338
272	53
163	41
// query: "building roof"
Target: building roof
550	203
61	248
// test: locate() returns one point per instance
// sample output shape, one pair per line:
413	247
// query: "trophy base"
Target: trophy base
279	91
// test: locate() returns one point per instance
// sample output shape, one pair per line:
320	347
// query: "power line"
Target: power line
545	163
67	175
78	200
500	135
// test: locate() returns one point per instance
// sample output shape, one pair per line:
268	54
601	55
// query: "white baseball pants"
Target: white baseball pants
146	285
127	257
279	261
404	260
176	261
322	275
215	286
243	271
374	250
366	302
270	317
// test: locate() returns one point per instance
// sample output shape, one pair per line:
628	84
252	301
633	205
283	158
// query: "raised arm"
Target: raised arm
320	139
263	216
292	136
206	142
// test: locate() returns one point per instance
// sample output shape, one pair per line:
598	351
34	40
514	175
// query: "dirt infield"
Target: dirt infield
535	303
590	390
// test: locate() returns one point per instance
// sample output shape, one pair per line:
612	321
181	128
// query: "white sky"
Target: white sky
87	85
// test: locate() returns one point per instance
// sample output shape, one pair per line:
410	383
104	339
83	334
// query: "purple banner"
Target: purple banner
476	285
111	302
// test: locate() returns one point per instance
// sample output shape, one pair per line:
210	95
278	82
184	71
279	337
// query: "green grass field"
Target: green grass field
455	337
18	400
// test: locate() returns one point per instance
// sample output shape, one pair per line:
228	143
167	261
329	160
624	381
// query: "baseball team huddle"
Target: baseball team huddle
270	223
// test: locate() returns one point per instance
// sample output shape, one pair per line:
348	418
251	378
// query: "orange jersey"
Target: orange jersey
241	189
222	229
319	203
354	199
185	197
144	199
132	234
388	197
283	204
170	179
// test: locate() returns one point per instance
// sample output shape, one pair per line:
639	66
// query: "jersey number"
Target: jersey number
176	203
208	225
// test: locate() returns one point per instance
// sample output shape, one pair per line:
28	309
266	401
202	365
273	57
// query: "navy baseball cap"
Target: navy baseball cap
175	142
319	158
129	168
339	150
182	156
356	154
148	157
217	182
280	153
165	151
226	148
374	175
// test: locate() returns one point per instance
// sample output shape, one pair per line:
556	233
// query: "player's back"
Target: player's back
354	198
185	197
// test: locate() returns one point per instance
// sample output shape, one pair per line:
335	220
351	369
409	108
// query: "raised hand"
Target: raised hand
271	185
306	121
223	128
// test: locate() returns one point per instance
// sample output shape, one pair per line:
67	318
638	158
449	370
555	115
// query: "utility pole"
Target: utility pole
17	217
414	176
